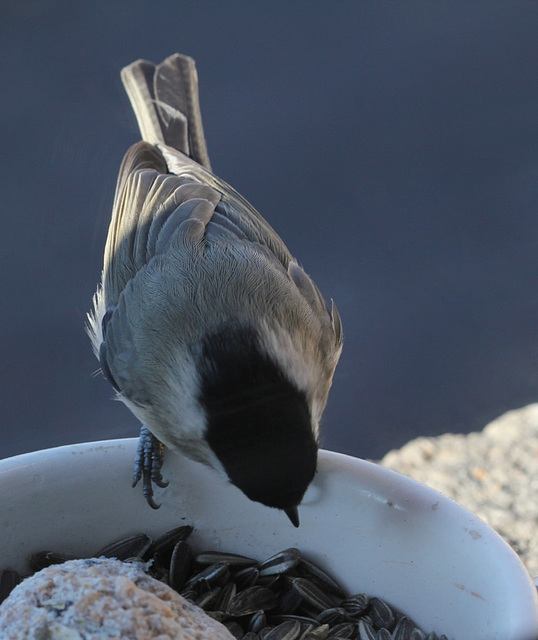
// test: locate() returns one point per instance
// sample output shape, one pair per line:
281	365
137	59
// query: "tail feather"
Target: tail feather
165	101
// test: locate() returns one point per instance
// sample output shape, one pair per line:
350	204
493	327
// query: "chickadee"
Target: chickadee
206	326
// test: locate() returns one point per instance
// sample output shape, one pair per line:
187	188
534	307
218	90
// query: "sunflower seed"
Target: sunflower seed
343	630
159	569
127	548
42	559
332	616
165	543
232	559
355	605
207	599
322	579
280	562
180	565
290	601
246	577
227	594
210	576
189	594
251	600
9	579
258	621
235	629
366	631
417	634
265	632
317	633
383	634
250	635
312	594
289	630
403	628
268	581
306	629
432	636
304	620
381	614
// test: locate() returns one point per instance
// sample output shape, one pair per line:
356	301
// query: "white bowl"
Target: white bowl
376	531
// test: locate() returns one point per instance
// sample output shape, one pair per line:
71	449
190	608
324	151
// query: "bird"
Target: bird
206	326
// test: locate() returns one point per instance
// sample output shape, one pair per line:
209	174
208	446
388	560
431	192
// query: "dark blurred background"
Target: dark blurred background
393	146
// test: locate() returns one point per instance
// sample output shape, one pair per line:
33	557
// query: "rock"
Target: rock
102	598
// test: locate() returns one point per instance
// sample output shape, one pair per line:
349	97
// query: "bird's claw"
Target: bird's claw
148	463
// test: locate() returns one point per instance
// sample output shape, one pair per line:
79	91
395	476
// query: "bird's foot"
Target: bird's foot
148	463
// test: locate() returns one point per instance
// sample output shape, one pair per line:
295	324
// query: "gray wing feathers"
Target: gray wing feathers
148	209
166	105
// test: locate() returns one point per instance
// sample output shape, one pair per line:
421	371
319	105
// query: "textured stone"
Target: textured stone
102	598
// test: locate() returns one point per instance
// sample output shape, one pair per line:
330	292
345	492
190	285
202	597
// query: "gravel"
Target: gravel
494	473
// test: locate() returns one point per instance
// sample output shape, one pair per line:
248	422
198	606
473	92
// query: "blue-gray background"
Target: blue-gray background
393	146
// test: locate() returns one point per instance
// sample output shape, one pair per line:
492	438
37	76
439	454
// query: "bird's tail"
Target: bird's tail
165	101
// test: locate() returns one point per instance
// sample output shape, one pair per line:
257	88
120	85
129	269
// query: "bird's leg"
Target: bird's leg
148	463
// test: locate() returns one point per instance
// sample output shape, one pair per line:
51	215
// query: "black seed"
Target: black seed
304	620
219	616
321	578
250	635
165	543
268	581
317	633
381	614
312	594
258	621
189	594
403	628
42	559
417	634
126	548
355	605
288	630
226	596
180	565
290	601
9	579
252	599
246	577
235	629
383	634
208	599
366	631
343	630
215	573
232	559
280	562
336	615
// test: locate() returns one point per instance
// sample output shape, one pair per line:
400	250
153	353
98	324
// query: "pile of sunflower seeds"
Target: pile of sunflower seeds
285	597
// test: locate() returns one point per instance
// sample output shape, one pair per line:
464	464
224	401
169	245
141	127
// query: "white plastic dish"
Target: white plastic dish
376	531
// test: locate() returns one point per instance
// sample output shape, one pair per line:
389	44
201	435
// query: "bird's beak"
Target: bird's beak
293	515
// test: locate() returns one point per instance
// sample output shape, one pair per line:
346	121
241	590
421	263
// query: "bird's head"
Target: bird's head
258	422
